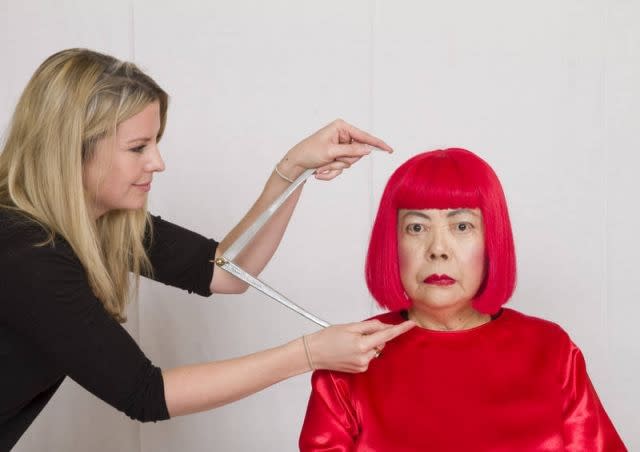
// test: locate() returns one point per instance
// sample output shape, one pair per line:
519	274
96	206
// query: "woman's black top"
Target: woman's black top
52	325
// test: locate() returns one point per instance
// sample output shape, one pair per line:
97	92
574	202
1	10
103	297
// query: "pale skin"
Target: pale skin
119	176
442	242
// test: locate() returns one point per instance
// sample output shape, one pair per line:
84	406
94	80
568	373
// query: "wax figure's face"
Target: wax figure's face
119	174
441	255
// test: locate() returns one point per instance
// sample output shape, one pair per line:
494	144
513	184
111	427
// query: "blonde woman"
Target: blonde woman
75	173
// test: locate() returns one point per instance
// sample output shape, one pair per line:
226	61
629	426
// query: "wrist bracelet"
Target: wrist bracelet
282	176
307	352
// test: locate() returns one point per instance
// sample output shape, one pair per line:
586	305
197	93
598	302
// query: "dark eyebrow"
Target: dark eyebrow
417	214
453	213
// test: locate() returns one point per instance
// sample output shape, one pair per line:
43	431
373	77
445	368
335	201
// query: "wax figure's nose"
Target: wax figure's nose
438	249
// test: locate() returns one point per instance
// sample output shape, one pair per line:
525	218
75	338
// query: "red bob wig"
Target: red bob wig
443	179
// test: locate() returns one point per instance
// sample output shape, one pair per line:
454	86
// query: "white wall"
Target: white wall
546	91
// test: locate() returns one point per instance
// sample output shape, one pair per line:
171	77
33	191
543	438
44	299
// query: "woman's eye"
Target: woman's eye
415	228
137	149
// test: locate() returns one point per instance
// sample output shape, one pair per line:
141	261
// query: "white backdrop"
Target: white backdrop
546	91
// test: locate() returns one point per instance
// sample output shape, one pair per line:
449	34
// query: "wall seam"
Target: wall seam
605	182
132	57
373	10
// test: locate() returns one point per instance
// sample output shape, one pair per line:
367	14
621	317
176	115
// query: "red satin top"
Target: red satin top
516	383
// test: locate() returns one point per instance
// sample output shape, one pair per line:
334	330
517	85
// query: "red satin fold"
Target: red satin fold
517	383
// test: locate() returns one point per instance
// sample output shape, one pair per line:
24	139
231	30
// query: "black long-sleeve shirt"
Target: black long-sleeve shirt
52	325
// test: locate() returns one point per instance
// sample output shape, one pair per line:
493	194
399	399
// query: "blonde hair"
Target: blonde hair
76	98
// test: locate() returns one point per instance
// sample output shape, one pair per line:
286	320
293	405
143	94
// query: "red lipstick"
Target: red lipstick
439	280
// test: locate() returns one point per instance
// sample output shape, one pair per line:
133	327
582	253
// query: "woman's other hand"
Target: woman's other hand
331	149
350	347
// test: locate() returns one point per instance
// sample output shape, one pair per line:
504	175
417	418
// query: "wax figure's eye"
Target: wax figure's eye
464	227
415	228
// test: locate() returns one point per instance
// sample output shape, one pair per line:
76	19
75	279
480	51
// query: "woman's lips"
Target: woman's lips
439	280
143	187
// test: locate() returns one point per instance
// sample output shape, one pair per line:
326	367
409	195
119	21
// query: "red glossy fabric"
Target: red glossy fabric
517	383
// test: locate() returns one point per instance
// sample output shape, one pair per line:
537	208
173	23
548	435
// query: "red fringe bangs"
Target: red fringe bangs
436	181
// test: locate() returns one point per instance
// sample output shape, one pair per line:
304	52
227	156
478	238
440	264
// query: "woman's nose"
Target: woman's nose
155	163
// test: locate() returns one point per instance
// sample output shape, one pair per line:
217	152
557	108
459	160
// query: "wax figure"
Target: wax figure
472	376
